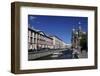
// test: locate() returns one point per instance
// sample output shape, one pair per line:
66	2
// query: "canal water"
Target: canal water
66	54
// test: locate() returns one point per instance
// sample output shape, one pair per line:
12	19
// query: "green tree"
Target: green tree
83	42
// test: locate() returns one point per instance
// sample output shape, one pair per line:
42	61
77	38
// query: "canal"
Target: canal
66	54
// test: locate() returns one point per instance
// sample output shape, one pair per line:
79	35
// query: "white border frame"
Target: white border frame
25	64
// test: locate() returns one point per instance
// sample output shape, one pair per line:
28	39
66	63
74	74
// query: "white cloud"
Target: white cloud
32	17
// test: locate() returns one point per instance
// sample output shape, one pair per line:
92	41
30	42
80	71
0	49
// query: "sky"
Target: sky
60	26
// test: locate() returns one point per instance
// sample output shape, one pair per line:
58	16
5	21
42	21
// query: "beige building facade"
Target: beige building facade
39	40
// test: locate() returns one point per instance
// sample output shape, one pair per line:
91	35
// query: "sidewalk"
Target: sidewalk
83	54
